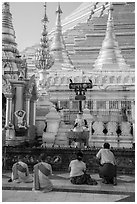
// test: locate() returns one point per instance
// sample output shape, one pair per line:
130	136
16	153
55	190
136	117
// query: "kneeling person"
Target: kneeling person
78	173
107	169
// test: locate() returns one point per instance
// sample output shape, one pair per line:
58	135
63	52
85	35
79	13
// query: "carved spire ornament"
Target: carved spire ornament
110	54
44	59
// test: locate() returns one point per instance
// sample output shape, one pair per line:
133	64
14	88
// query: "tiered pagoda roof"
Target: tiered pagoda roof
10	54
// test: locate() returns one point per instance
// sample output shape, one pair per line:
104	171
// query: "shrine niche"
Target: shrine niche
21	96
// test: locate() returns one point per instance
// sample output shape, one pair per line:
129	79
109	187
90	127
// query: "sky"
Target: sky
27	16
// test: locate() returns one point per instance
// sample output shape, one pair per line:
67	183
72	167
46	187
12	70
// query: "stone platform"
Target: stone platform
64	191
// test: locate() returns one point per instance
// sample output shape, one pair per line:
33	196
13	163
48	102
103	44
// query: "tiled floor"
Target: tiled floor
64	191
26	196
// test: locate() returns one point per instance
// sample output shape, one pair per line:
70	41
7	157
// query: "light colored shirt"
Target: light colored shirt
77	168
106	156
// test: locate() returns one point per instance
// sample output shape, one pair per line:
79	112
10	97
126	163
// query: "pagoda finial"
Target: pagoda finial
43	58
45	18
110	55
58	13
59	9
57	41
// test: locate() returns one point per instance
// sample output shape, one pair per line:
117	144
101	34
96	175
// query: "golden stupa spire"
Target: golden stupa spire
57	39
110	54
58	47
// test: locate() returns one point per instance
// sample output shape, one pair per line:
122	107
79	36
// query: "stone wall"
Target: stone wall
125	158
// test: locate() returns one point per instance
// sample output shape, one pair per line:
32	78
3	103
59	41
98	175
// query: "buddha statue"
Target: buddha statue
80	124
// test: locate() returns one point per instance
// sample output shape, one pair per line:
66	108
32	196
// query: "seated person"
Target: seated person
107	169
20	172
42	171
80	124
78	173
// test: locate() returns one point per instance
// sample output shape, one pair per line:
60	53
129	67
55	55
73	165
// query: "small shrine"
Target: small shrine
21	96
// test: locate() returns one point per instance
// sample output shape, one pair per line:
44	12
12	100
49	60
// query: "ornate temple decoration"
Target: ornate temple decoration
6	86
110	57
10	60
44	59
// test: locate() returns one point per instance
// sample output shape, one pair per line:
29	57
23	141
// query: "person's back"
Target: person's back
106	156
78	173
41	172
20	172
107	169
77	168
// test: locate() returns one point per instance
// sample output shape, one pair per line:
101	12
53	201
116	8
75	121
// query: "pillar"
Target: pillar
8	108
28	96
34	112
